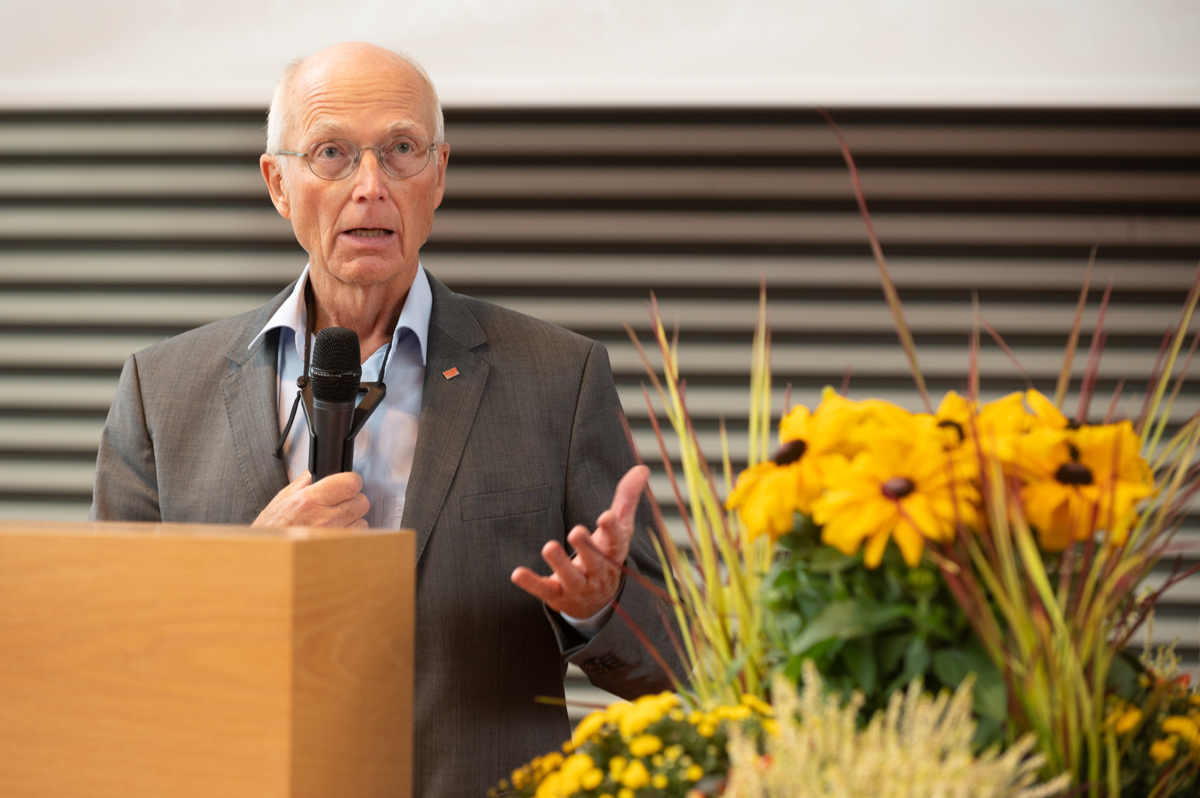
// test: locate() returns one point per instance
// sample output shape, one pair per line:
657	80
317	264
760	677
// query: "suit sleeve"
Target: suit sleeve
616	658
126	486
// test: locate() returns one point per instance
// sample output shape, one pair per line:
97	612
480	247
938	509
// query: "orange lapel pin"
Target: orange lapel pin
450	373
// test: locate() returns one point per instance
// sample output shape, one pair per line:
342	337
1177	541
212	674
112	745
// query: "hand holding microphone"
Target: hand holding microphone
329	493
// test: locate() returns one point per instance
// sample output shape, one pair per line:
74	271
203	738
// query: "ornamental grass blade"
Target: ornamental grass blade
649	646
1092	371
1143	414
903	331
1165	416
1064	376
973	357
1012	356
1116	397
1169	366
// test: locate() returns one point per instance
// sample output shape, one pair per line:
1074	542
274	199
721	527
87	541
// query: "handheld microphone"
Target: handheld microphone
335	374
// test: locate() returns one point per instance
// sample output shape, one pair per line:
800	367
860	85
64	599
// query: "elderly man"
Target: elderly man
500	437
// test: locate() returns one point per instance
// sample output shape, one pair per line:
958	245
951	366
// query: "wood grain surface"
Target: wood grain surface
153	660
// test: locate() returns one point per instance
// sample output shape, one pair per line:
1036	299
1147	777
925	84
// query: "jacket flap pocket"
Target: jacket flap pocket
499	505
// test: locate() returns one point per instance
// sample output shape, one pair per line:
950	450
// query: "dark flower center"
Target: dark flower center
948	424
898	487
1074	474
790	452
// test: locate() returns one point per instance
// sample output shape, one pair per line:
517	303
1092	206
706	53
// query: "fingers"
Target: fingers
570	577
629	493
336	501
298	484
544	588
591	560
614	527
337	488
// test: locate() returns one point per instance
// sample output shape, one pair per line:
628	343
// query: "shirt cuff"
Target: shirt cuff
589	627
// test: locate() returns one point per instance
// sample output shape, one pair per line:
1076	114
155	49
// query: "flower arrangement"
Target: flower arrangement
1041	527
993	549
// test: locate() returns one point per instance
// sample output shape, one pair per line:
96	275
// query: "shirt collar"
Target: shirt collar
414	316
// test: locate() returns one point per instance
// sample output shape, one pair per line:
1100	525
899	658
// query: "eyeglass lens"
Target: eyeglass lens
402	157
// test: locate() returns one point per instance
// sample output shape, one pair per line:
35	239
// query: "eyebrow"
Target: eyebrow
396	128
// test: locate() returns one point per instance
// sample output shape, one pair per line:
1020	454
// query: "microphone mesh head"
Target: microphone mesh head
336	365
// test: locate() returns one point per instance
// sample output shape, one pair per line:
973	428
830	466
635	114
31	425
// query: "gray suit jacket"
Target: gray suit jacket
522	445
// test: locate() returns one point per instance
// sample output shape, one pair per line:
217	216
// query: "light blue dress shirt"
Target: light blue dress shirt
384	467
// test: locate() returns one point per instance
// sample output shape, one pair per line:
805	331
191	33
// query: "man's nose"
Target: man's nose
370	180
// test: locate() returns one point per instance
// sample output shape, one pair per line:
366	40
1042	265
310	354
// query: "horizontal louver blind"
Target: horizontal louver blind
119	229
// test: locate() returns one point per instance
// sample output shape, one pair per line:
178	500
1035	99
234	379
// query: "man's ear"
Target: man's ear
272	172
442	159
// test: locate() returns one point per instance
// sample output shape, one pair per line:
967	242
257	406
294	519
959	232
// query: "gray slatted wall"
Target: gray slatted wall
119	229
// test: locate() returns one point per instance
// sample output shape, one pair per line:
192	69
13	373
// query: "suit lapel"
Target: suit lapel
250	402
448	408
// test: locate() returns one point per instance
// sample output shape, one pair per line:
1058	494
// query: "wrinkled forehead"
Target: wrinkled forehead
361	103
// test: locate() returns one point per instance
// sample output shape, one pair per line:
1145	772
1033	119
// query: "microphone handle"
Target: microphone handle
331	450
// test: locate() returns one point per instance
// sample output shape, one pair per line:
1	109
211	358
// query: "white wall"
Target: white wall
112	53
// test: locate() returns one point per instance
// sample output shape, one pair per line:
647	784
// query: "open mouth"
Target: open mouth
369	232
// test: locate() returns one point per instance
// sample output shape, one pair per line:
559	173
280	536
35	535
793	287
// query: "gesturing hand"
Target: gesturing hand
335	501
584	585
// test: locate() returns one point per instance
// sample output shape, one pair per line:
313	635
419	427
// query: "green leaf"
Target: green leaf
1123	675
916	659
828	560
844	620
891	650
990	694
988	733
859	656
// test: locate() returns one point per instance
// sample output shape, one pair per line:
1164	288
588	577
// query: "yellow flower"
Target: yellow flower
673	752
659	782
644	711
645	745
1045	414
636	776
1184	727
1162	750
954	418
591	724
616	767
591	780
903	487
1128	720
706	729
757	704
694	773
767	498
1081	481
624	792
1000	426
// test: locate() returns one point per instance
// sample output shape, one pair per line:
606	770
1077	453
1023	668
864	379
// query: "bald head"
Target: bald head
348	58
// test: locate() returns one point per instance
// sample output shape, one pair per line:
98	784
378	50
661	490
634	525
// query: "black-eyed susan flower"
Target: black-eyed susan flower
903	487
1074	476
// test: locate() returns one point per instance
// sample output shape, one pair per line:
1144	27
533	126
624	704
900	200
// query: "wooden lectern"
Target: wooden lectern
172	661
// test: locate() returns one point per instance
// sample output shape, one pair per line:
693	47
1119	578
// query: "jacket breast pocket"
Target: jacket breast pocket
506	504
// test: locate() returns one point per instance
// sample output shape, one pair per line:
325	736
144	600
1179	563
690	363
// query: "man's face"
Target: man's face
366	229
